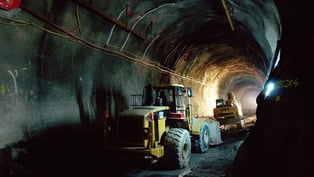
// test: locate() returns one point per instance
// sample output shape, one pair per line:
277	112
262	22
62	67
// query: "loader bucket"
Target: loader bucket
215	133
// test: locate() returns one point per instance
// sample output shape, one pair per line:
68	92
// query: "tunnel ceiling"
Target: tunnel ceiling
55	54
226	44
222	45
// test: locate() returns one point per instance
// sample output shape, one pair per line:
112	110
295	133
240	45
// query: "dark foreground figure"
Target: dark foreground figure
280	144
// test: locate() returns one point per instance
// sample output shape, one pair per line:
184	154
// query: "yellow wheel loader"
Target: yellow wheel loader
161	126
228	113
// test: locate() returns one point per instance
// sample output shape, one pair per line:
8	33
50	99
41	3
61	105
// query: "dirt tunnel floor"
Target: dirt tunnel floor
70	158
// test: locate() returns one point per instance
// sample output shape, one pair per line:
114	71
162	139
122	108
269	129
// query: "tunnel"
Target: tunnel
63	63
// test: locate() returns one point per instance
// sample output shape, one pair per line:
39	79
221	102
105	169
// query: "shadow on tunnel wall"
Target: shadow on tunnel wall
68	149
56	151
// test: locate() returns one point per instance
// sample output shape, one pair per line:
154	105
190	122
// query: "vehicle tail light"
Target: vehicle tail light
151	116
106	114
176	115
9	4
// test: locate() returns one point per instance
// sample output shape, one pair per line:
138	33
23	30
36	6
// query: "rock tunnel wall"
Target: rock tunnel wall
50	79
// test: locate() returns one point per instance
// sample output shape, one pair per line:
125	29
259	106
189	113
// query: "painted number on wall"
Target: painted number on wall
288	83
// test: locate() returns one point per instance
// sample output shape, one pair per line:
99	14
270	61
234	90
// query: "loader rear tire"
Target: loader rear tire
200	143
177	144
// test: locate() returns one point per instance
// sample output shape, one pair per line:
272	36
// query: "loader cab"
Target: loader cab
173	95
220	102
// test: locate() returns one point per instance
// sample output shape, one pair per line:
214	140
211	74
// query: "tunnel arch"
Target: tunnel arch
112	44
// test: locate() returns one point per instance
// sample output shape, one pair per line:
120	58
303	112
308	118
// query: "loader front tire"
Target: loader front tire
177	144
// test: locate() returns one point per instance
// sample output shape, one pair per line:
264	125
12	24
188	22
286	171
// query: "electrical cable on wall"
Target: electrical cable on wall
75	38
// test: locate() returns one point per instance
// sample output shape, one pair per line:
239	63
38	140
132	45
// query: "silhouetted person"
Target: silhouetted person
163	98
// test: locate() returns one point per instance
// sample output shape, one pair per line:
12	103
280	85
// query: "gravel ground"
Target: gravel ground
214	163
217	160
70	158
